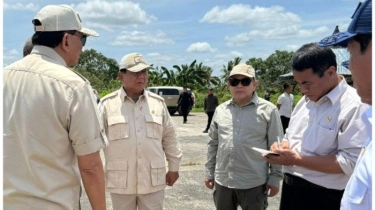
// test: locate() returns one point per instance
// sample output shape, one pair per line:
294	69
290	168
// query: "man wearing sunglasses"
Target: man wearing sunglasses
52	133
239	174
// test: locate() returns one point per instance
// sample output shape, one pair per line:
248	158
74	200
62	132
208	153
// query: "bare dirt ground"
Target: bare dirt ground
189	192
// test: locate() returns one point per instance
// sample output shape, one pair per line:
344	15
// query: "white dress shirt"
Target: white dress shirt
286	104
358	192
332	125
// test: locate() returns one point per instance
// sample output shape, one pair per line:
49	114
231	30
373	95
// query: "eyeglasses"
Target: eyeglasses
83	38
234	82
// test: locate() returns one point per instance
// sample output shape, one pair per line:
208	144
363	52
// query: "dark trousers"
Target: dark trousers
249	199
210	115
298	193
284	122
185	111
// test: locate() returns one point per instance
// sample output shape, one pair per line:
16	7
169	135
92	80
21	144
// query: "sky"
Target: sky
176	32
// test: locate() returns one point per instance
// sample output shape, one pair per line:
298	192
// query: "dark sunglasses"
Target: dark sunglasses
83	38
234	82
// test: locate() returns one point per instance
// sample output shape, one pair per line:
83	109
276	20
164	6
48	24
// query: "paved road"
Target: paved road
189	191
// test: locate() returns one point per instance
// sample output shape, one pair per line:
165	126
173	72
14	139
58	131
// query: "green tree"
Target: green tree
188	75
99	70
277	64
155	77
227	68
209	80
168	77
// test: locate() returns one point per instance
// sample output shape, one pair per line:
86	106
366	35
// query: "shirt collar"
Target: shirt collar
334	94
48	52
254	100
123	94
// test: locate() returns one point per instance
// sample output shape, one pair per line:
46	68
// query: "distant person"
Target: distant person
142	135
185	101
358	193
28	47
210	104
285	105
239	174
324	137
52	133
267	96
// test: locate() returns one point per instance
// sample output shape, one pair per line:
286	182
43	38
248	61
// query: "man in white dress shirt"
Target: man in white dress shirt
285	105
324	137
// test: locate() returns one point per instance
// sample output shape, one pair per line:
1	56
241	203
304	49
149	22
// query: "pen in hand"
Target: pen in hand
278	141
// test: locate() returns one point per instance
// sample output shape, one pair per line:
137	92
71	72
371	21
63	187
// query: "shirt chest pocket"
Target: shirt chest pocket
154	126
118	128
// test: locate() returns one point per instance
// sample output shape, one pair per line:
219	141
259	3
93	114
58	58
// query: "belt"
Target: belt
300	182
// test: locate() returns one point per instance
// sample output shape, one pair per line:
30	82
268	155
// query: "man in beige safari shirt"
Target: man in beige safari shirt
52	133
141	134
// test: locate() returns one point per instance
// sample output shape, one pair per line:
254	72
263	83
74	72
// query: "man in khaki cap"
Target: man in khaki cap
141	134
52	132
239	173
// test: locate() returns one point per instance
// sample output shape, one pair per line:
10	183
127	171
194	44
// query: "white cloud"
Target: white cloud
200	47
21	7
228	56
343	26
10	56
236	54
158	59
166	60
110	15
257	17
219	60
292	47
239	40
279	33
137	38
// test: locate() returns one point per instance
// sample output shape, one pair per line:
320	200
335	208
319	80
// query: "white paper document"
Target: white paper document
264	152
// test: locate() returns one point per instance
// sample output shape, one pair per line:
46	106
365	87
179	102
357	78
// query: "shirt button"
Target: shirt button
138	130
139	143
139	157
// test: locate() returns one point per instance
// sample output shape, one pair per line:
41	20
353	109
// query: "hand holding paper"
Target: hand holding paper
264	152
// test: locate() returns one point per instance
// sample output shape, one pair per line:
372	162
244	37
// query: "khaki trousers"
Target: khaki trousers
151	201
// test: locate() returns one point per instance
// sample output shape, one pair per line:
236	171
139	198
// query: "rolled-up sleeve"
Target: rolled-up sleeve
351	138
85	128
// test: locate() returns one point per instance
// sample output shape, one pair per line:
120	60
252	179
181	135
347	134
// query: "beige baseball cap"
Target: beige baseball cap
60	18
243	69
134	62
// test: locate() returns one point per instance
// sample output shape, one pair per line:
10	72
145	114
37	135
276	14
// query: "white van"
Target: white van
171	95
